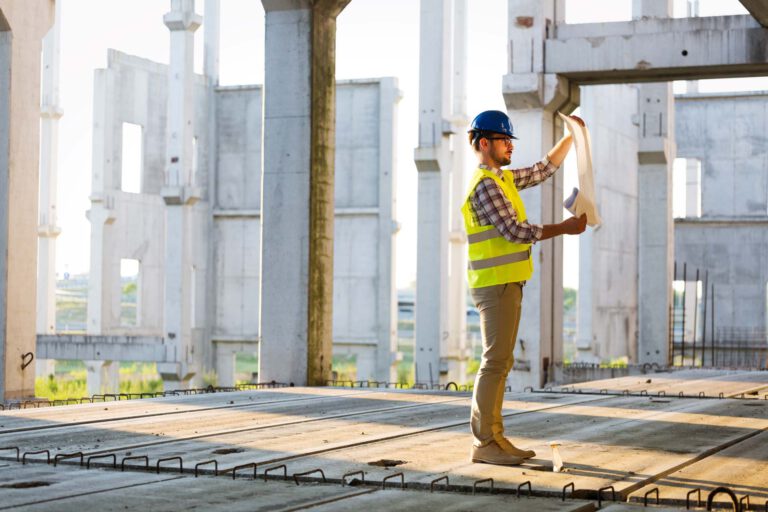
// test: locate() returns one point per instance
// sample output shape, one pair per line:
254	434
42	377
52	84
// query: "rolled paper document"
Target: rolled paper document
582	200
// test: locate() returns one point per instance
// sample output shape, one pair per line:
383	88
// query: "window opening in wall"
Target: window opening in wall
129	292
686	188
132	159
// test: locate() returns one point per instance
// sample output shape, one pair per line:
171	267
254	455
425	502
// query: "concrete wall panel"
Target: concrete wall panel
607	305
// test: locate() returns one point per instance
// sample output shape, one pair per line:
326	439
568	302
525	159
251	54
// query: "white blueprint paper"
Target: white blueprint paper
582	199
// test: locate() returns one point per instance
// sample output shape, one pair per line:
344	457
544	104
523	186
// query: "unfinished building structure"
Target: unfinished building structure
192	222
205	226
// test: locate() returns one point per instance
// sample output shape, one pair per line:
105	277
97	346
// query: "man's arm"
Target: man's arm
572	226
490	203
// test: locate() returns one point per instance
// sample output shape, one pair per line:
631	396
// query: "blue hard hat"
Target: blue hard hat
493	121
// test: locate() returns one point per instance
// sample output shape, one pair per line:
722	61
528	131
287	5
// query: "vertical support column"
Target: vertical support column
48	230
179	193
101	213
655	155
22	27
102	377
455	351
532	98
298	191
433	162
212	40
384	369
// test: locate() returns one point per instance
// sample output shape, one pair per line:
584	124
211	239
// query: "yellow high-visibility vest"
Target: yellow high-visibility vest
493	259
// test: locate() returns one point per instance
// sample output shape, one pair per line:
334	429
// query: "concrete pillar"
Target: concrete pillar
298	191
656	154
22	27
533	97
102	377
48	230
440	287
179	193
454	350
225	364
384	368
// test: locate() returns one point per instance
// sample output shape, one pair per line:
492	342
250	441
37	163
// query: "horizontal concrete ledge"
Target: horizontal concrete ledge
708	96
724	221
355	342
102	348
651	50
237	214
340	212
230	338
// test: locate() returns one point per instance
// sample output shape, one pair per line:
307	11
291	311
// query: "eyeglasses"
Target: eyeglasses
507	140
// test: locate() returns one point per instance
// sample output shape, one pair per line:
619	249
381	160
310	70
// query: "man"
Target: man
500	239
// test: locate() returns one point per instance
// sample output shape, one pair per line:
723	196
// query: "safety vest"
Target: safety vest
493	259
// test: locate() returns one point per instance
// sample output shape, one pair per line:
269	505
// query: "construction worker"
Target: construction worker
500	237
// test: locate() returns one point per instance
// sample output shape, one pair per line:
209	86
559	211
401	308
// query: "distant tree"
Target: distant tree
569	300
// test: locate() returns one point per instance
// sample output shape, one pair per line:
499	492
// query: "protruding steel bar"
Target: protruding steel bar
688	498
600	494
530	489
67	456
352	473
305	473
726	490
215	466
285	472
145	458
12	448
478	482
169	459
38	452
565	488
395	475
244	466
436	480
104	456
652	491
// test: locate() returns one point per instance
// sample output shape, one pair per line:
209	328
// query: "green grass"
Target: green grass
70	380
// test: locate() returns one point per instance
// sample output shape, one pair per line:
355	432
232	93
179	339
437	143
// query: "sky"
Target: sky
375	38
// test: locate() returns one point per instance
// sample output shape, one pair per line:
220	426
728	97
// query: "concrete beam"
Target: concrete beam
758	9
103	348
659	49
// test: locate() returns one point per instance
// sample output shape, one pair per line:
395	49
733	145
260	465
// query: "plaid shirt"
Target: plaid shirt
491	207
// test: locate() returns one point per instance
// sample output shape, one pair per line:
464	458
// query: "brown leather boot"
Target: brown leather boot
513	450
492	453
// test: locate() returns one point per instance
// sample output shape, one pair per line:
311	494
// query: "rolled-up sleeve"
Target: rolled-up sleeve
527	177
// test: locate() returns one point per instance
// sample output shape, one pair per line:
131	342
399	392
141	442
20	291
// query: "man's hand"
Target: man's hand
578	120
575	225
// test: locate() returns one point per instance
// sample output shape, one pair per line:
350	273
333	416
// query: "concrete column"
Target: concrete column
298	191
433	162
179	193
532	98
384	368
455	350
102	377
48	230
656	154
225	364
22	27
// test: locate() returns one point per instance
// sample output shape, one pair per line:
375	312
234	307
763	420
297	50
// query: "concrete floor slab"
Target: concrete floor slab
111	410
622	442
743	468
710	383
194	424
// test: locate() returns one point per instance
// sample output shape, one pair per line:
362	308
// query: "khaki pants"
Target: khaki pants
499	308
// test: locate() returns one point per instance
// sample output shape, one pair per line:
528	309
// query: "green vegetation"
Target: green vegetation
69	380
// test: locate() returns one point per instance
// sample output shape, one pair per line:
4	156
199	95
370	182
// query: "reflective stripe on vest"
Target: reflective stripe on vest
493	259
